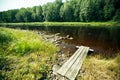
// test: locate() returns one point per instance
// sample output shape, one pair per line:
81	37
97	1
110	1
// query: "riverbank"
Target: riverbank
71	24
21	51
95	66
27	55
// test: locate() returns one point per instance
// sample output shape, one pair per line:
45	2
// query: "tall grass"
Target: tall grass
97	68
26	57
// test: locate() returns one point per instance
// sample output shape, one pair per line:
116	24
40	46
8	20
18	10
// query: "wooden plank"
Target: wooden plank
69	63
55	68
74	69
71	68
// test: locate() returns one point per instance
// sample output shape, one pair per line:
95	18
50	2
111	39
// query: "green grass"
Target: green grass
24	55
5	37
110	23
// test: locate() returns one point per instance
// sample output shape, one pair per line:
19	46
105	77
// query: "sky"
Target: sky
16	4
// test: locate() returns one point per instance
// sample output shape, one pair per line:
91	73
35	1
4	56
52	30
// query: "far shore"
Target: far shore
71	24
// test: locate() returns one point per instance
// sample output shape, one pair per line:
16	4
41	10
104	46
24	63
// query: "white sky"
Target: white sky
15	4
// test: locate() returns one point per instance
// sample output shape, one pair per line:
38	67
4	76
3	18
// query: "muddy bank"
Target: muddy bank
58	40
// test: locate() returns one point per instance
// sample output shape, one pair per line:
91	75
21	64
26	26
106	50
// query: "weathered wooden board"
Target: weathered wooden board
71	68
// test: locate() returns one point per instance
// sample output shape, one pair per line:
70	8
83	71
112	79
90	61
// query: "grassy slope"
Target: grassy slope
24	55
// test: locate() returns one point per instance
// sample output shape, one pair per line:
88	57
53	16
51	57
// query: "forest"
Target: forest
68	11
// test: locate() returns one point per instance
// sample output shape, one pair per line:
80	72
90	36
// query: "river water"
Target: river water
104	40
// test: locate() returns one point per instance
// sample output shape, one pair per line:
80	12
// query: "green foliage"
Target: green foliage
71	10
48	12
36	14
39	12
51	11
109	9
66	12
23	15
117	16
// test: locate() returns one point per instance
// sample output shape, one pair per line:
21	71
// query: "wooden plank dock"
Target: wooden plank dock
71	68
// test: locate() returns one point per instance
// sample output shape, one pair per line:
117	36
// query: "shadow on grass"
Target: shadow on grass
4	67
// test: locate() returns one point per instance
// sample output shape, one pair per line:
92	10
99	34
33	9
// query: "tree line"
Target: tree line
68	11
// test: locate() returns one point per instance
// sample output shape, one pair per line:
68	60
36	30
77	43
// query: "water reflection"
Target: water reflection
102	39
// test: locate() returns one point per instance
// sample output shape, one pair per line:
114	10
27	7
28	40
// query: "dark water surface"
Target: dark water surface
104	40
